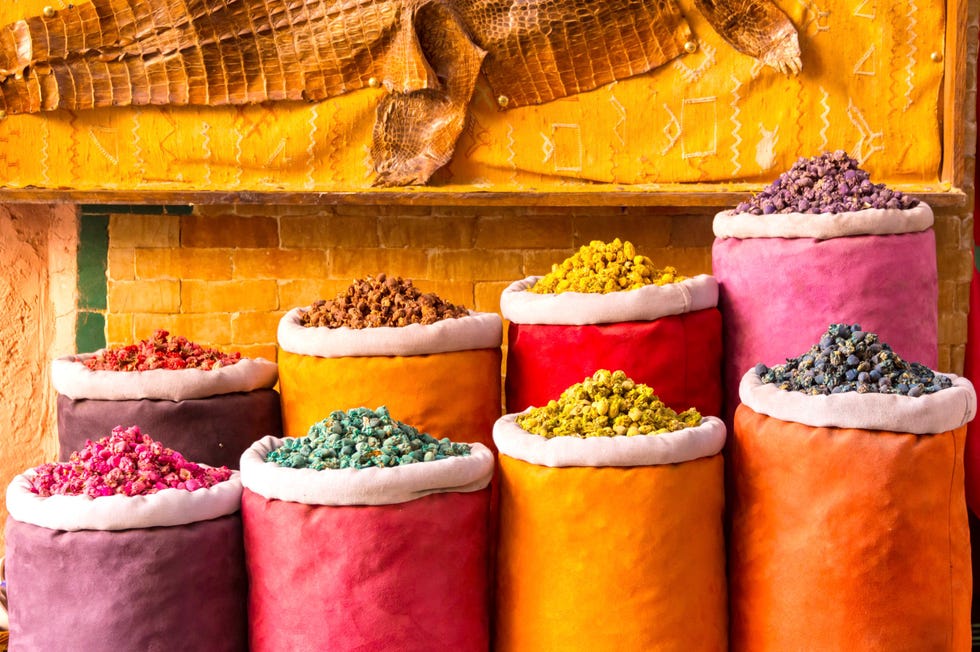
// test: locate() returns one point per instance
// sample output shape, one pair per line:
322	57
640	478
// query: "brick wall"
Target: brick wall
224	275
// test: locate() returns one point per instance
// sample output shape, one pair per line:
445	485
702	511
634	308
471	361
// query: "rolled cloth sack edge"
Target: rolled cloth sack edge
938	412
73	379
371	486
823	226
704	440
647	303
165	508
478	330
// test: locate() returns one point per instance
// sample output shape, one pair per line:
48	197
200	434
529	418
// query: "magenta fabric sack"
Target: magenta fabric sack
377	559
153	573
784	277
210	416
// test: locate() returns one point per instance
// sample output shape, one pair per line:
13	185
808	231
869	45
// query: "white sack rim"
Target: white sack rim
164	508
823	226
704	440
73	379
647	303
934	413
370	486
478	330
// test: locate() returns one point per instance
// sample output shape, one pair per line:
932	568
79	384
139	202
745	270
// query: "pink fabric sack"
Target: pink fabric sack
778	294
368	560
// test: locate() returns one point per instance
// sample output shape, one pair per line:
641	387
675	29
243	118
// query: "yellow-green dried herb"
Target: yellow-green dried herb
605	405
600	268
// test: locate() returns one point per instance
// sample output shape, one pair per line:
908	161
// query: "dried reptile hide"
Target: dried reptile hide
426	53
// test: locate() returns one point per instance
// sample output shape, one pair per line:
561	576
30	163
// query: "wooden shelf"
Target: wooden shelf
679	196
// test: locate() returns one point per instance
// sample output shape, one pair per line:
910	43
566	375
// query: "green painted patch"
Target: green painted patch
89	332
92	264
93	251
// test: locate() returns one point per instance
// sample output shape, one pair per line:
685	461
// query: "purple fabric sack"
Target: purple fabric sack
154	589
777	295
215	430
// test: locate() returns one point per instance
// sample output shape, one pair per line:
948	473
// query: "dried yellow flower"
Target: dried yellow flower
605	405
600	268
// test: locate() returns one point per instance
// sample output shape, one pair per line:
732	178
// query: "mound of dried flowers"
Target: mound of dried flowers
161	352
600	267
125	462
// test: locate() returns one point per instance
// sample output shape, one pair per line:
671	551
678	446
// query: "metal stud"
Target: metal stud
691	47
48	12
936	56
373	82
503	101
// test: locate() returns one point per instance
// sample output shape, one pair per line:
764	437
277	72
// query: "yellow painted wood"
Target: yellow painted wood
715	116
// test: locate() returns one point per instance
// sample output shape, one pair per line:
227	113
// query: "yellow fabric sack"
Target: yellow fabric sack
455	395
443	378
616	557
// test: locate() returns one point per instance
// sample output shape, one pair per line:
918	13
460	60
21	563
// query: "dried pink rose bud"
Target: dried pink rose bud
126	462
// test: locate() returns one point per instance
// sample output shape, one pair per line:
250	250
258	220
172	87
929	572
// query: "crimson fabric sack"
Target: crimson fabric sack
848	520
368	559
210	416
443	378
611	543
783	277
153	573
668	337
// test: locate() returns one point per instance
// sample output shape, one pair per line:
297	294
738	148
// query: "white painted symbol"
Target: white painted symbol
866	9
736	125
866	145
765	150
691	75
691	110
866	64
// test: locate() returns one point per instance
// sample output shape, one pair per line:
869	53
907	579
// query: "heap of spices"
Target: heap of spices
832	182
161	352
848	359
601	268
380	301
361	438
125	462
606	405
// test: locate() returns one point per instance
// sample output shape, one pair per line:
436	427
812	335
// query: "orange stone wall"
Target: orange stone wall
225	275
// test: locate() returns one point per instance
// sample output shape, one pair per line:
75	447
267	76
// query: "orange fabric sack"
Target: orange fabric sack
849	538
426	376
628	555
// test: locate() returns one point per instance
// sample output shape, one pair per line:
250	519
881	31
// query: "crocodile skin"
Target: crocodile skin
426	53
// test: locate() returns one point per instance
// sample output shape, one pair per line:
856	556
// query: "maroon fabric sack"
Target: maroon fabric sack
157	589
215	430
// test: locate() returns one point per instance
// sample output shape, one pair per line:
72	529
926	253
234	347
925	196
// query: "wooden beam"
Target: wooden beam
954	94
689	197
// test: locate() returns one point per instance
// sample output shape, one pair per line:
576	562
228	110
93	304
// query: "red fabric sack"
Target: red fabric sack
678	354
407	576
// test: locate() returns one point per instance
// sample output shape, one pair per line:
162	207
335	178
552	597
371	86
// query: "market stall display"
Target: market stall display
823	244
209	404
848	519
610	541
608	307
384	342
126	546
378	529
